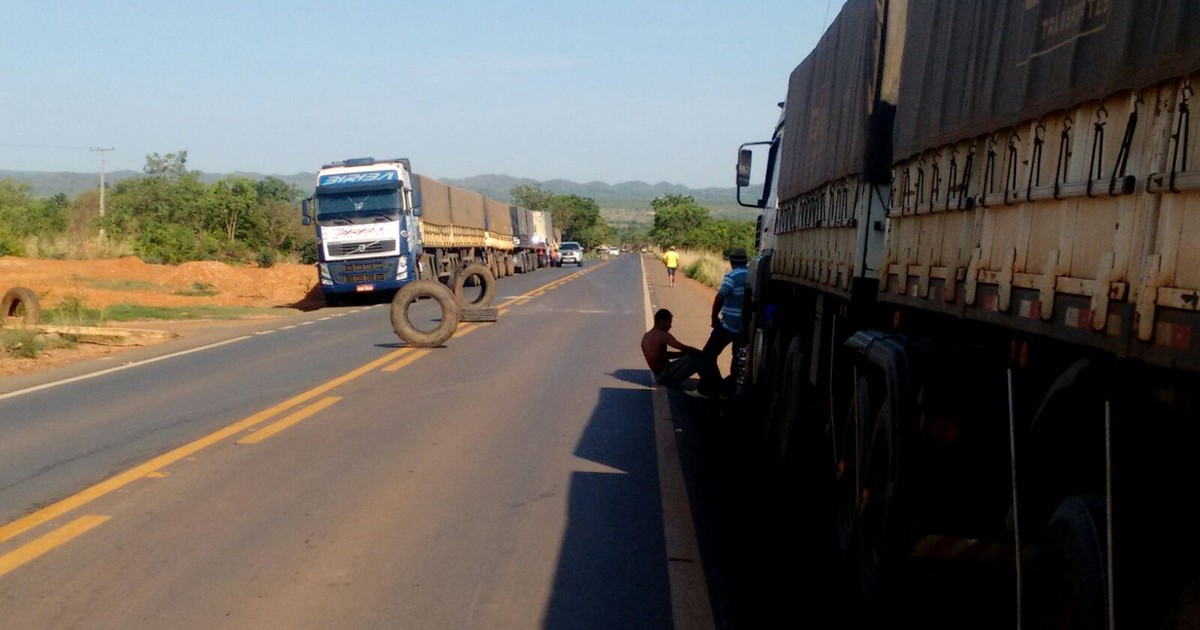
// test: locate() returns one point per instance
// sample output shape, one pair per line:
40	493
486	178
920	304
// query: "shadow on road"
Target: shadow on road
611	571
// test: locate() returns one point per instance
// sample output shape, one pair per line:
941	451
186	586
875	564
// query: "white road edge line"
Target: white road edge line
125	366
691	608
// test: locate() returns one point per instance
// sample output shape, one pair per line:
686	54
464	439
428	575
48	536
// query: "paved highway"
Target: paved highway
316	473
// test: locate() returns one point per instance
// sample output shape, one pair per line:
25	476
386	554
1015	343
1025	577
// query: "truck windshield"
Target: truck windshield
358	207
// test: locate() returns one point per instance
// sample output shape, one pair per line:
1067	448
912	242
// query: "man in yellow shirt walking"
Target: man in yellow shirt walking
671	258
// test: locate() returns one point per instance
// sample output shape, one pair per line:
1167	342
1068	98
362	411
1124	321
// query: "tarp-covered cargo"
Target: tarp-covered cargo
435	200
466	208
1004	62
522	224
499	220
829	103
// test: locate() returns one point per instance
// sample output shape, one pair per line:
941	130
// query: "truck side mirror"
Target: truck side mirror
745	158
416	196
305	217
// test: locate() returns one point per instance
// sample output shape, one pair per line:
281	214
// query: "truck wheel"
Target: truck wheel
883	533
409	332
1069	579
20	302
787	431
484	280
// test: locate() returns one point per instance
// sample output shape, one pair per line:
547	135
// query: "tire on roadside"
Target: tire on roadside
486	280
417	290
20	302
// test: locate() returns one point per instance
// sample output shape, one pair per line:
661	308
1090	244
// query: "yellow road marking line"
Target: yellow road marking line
416	354
466	330
127	477
56	538
152	466
283	423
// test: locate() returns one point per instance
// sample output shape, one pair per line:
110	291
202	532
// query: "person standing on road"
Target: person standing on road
671	258
726	321
670	367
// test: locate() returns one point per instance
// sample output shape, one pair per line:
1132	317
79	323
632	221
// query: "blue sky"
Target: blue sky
613	91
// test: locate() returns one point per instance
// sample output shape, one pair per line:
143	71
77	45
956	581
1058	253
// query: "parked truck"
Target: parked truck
380	226
545	238
974	321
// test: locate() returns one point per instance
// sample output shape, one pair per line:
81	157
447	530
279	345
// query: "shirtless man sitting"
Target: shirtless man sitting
670	367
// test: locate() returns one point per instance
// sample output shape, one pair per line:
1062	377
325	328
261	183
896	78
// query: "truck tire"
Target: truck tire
478	314
1069	579
485	279
406	330
20	302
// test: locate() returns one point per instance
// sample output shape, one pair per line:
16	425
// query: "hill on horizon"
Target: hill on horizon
632	196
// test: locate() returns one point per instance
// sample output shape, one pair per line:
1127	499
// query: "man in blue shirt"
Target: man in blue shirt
726	321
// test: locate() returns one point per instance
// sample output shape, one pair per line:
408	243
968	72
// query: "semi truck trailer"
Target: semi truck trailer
974	321
380	226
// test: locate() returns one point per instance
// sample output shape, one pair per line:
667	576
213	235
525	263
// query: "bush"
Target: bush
266	258
73	311
308	252
172	244
24	344
10	244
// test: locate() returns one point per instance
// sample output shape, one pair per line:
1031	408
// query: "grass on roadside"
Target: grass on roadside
23	343
118	285
74	311
705	267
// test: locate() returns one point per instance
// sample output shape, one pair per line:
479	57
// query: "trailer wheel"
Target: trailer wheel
409	332
883	534
1069	584
871	522
20	302
792	381
485	280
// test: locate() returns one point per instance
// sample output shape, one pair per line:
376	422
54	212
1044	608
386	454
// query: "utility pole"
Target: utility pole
102	152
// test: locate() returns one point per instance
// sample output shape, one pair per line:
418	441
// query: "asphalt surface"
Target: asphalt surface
315	472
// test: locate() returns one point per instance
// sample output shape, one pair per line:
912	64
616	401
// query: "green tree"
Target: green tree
171	166
680	221
229	205
531	196
274	189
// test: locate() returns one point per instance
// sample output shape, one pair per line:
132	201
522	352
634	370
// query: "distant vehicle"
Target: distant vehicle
613	251
571	252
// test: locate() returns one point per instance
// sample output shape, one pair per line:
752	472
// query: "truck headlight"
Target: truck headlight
402	268
323	273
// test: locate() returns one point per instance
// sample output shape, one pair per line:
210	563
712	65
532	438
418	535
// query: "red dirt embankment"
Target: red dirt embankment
102	283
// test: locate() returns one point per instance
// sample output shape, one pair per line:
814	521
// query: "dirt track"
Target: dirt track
102	283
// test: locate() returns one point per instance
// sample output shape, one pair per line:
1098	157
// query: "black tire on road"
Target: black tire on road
478	314
487	285
20	302
416	290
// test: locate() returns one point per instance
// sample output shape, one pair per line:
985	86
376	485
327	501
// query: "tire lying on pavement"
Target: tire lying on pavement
478	313
20	302
486	280
410	333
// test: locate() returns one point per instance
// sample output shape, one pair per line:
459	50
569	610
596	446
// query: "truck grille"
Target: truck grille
375	271
367	247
